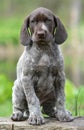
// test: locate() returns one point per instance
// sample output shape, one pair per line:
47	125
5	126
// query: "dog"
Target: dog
40	70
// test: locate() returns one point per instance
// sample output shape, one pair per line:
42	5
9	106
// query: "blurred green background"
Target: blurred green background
12	14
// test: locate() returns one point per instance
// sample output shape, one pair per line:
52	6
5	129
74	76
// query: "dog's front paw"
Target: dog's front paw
18	116
36	119
63	115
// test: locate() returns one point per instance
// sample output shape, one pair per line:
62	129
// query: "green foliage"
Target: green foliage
9	31
74	98
80	101
6	108
8	67
69	91
5	88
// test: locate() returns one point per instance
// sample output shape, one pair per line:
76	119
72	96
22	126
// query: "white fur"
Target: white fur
44	27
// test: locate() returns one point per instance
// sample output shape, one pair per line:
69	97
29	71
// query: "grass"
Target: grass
74	98
6	109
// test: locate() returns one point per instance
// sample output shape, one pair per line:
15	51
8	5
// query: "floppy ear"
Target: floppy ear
60	32
25	37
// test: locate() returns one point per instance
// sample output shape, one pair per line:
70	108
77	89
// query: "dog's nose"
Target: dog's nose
41	34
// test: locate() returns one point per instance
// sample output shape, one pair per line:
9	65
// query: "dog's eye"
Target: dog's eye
48	21
32	21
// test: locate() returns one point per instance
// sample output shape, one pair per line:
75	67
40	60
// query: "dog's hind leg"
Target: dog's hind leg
61	113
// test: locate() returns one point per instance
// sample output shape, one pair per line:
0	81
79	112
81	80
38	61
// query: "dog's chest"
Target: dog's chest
43	57
44	76
43	80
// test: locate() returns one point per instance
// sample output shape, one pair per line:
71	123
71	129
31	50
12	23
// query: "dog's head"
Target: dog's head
42	26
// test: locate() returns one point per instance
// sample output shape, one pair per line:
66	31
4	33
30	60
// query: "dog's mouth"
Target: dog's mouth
42	42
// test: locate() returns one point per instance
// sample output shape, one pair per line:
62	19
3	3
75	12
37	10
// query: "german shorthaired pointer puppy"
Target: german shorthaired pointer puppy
40	70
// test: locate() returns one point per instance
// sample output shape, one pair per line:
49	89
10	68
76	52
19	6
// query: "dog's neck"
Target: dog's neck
42	46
